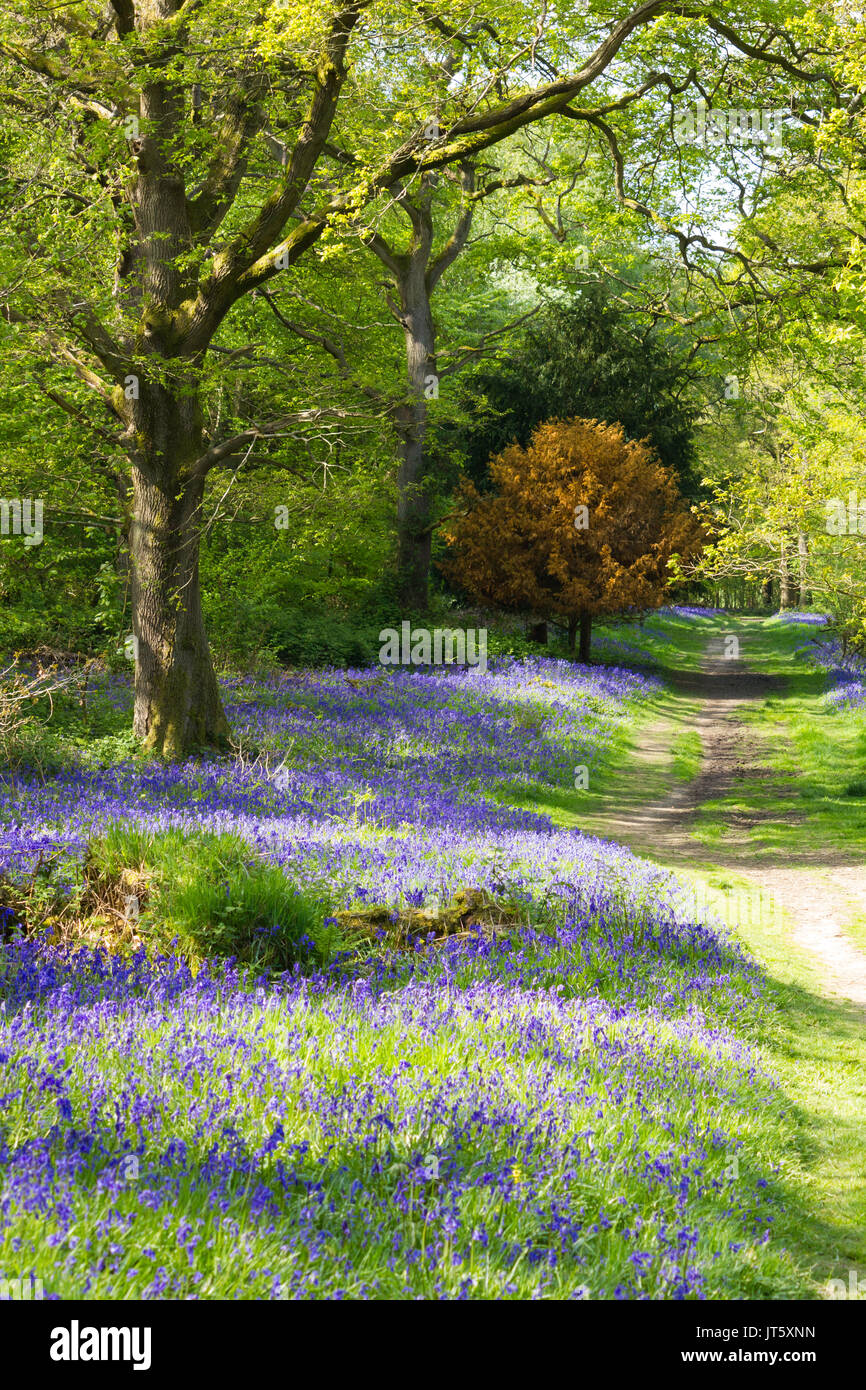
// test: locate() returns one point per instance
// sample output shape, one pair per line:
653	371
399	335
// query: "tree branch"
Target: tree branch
457	240
242	120
240	443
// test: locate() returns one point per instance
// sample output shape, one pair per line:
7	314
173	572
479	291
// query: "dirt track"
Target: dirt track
820	892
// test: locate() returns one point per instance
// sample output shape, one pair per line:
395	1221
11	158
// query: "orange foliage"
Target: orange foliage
519	547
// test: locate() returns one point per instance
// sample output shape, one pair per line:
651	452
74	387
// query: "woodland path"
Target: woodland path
819	892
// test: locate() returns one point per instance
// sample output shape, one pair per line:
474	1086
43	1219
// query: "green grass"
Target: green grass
816	798
687	752
813	802
215	896
210	895
815	1046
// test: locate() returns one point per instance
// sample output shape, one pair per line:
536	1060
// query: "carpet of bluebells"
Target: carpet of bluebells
382	786
846	671
570	1109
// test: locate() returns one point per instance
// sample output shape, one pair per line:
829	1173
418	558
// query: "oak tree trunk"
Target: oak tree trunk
177	699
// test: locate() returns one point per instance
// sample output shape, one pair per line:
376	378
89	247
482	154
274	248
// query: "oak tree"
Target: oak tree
173	157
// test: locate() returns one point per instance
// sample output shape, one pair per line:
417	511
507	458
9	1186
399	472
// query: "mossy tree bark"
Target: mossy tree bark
177	698
171	312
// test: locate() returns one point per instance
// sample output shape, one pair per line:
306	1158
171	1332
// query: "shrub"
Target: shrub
27	701
583	522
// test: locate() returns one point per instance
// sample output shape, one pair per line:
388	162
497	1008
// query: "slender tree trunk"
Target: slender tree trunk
803	558
123	559
785	587
767	591
414	534
415	275
585	635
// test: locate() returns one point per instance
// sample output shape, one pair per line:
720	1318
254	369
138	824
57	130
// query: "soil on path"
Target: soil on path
819	891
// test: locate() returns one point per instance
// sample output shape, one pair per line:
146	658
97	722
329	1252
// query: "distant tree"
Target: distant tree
582	522
585	358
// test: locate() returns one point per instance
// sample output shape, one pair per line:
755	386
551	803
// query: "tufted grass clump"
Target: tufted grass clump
208	895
